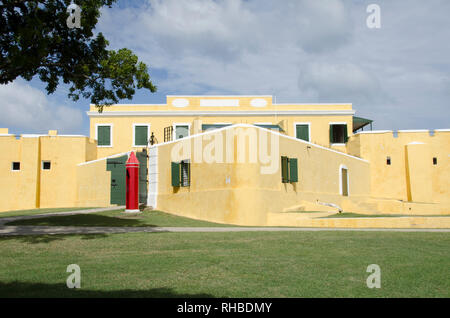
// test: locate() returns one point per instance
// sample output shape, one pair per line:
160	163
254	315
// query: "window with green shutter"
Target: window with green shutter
140	135
185	176
175	174
284	169
104	135
338	133
293	170
181	131
181	174
289	170
302	131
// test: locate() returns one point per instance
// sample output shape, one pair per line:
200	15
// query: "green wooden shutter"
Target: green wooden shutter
284	169
302	132
175	174
140	135
104	136
293	170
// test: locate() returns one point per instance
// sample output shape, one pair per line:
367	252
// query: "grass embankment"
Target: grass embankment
118	218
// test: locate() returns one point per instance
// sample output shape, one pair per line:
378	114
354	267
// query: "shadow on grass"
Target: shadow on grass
18	289
48	238
83	220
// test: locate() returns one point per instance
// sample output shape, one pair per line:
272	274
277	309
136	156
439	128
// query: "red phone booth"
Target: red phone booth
132	181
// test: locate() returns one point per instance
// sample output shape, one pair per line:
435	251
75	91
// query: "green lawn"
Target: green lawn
117	218
38	211
244	264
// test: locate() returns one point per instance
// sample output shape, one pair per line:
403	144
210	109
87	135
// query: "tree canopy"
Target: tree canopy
35	40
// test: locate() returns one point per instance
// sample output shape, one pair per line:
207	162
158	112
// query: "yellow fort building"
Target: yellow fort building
237	159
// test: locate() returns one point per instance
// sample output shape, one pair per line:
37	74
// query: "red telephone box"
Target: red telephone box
132	181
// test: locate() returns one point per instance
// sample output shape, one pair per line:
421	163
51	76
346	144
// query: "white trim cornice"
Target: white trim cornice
221	113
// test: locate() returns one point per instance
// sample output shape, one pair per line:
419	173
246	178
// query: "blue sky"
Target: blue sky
297	50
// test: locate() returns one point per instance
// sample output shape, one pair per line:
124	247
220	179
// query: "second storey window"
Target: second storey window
338	133
104	133
181	131
302	131
140	135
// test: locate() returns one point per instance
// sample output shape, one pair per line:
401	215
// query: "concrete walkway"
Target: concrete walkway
6	230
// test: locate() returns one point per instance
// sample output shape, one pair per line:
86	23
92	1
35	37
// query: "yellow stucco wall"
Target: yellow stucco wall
239	193
32	186
93	184
19	189
122	125
411	175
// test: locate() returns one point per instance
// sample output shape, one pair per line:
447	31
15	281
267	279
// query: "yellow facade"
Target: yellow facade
375	172
412	175
46	176
241	193
194	113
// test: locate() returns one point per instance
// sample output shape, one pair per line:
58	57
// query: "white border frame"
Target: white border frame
303	123
134	134
337	123
42	165
110	137
342	166
12	166
174	126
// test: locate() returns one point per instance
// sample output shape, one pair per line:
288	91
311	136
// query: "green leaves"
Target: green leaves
35	40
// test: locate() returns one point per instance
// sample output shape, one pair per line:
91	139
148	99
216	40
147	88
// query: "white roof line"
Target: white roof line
106	107
227	96
312	104
104	158
401	131
374	132
252	126
39	135
347	112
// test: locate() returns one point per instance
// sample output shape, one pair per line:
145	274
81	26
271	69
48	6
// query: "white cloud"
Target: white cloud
28	110
299	51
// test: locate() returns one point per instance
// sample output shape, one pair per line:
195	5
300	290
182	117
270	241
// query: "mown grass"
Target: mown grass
118	218
38	211
244	264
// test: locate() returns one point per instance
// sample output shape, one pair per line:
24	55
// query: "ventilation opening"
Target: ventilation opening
46	165
16	166
435	161
388	161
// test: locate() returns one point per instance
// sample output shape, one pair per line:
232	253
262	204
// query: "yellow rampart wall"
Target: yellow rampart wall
32	186
239	193
412	176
